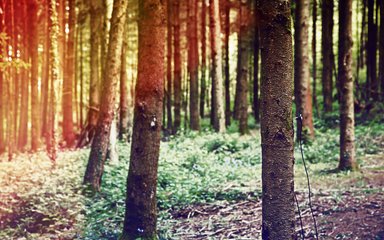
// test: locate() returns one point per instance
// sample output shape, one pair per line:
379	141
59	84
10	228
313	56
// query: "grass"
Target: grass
194	168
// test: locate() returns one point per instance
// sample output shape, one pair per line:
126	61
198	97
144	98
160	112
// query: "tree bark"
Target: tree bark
347	129
203	87
227	74
177	66
276	120
3	90
372	85
123	125
217	77
169	65
241	101
140	214
45	78
69	75
95	166
327	53
302	90
54	77
381	50
256	50
314	56
193	60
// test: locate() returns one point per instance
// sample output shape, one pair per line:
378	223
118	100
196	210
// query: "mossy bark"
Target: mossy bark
276	120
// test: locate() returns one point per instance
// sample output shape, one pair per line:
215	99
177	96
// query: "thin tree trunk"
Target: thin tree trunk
371	54
69	75
302	90
227	74
169	65
123	125
95	166
276	121
241	101
45	80
54	77
193	60
141	205
347	119
327	53
256	50
203	87
381	50
177	66
314	56
217	77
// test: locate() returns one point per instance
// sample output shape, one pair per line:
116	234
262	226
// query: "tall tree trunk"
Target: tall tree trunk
45	78
3	90
381	50
314	56
302	90
217	77
372	86
54	65
276	121
95	166
193	60
69	75
123	125
203	87
347	119
141	204
256	50
241	101
177	66
23	119
227	74
169	65
327	52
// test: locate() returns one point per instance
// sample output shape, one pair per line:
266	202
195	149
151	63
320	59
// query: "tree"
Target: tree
227	30
123	125
327	52
193	60
347	129
69	75
177	66
203	86
95	166
303	99
276	120
256	50
372	85
169	66
54	66
314	55
140	212
241	101
217	79
381	50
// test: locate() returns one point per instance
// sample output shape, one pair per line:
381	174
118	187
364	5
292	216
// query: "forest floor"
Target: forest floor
209	188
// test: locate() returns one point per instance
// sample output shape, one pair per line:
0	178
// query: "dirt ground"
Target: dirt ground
356	213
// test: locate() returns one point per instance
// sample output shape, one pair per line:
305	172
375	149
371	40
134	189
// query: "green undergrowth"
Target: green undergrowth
194	168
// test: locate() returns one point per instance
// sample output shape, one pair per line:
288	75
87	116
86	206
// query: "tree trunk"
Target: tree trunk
276	121
217	78
177	66
327	52
69	75
227	74
347	120
256	50
169	66
372	86
123	125
45	80
203	87
193	60
100	143
241	101
303	97
314	56
381	50
23	119
140	213
54	64
3	91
